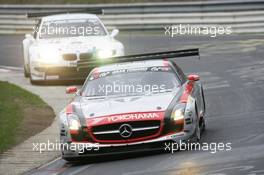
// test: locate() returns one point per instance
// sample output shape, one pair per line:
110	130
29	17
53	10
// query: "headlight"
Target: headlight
49	56
73	123
105	53
178	115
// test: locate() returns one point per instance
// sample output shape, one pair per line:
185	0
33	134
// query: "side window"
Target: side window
36	29
179	72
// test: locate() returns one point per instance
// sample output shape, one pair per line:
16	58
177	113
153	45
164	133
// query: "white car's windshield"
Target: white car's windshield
125	82
71	28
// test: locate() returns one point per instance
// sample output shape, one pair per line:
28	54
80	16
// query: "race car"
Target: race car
134	103
60	41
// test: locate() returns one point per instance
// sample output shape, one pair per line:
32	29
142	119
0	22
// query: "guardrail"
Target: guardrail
243	16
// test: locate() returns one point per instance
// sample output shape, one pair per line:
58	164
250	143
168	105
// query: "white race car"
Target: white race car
60	42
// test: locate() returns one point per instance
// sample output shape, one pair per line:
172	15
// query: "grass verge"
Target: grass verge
22	114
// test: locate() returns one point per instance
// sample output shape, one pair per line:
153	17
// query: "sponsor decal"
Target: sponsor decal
98	74
187	91
52	77
131	117
118	118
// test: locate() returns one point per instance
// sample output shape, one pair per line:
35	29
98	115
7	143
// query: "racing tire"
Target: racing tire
196	138
26	73
203	124
198	132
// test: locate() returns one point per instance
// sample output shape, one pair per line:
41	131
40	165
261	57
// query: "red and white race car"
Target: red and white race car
136	104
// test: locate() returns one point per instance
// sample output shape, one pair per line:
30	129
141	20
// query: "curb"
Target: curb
22	157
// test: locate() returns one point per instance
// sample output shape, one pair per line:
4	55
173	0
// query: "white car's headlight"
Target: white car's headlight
49	56
105	53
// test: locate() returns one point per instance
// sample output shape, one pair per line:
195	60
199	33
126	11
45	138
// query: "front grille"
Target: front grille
140	129
70	57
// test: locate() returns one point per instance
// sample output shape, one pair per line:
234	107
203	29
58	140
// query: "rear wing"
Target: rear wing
138	57
97	11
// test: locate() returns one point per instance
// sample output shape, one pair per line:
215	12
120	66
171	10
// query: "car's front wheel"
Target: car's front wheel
203	124
197	133
26	72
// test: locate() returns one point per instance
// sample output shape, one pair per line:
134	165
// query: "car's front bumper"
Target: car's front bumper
94	149
39	73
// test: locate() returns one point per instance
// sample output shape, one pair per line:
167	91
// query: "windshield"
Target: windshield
147	81
71	28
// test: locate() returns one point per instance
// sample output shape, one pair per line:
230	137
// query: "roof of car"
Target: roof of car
69	16
131	65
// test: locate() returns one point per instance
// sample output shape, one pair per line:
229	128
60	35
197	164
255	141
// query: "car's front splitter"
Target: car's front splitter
87	149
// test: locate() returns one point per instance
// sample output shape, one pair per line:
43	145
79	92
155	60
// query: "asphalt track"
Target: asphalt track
232	70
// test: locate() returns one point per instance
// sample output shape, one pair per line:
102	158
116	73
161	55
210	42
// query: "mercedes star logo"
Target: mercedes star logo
125	130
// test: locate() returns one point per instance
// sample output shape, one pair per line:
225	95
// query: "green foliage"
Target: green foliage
13	100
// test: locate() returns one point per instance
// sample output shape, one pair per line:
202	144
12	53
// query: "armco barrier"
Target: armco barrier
243	16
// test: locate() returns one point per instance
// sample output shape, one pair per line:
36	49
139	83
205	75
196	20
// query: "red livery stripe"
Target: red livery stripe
69	109
187	91
125	117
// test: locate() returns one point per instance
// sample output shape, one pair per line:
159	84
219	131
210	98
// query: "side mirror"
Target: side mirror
114	33
193	77
71	90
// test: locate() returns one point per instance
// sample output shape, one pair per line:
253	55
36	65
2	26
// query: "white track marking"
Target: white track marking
11	68
251	73
49	163
4	70
211	81
80	169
